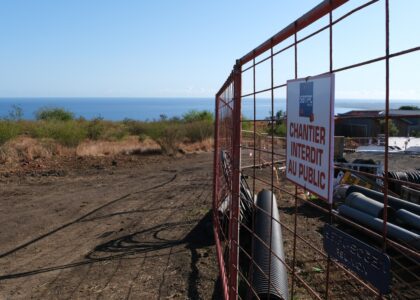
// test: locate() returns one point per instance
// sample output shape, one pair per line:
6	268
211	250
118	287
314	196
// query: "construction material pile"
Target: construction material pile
366	207
412	176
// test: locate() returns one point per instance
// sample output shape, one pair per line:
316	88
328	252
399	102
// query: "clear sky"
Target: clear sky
186	48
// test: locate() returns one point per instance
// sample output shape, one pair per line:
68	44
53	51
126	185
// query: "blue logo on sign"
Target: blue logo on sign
306	100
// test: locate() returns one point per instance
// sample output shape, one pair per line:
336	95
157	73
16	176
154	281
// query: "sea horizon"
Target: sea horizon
152	108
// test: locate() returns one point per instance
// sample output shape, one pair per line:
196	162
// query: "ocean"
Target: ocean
117	109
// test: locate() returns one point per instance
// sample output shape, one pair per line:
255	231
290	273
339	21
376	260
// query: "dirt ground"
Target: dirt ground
130	227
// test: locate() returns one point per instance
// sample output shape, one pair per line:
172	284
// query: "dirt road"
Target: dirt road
127	228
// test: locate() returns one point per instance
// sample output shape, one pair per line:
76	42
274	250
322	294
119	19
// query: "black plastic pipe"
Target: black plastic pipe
367	205
395	203
408	218
269	263
396	232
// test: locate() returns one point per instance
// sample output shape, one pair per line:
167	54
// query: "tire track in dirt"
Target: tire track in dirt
199	197
127	270
84	233
90	229
196	195
150	207
135	277
81	218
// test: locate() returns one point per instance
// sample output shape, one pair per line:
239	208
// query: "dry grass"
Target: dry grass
129	145
197	147
25	149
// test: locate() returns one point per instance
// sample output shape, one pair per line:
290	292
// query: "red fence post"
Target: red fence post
236	163
216	161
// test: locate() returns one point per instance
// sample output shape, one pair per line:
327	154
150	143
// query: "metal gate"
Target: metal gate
250	156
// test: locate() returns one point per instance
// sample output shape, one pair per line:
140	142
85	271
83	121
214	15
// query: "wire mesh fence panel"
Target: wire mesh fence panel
277	239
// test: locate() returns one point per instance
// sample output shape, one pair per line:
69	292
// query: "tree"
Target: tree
280	115
392	128
409	107
279	127
54	114
194	115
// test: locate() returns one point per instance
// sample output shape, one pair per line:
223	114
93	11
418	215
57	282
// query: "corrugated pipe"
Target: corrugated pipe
396	232
408	175
266	261
395	203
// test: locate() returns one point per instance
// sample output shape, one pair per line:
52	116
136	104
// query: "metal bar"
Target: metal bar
313	15
251	267
385	189
296	191
315	32
272	168
263	151
367	62
262	165
338	118
370	61
236	162
330	204
216	167
220	257
225	84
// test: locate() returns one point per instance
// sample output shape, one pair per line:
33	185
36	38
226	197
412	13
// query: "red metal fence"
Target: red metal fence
250	156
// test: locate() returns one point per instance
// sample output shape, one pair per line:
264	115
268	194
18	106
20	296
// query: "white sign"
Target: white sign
310	134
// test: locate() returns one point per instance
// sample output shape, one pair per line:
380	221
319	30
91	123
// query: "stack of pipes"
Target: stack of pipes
366	207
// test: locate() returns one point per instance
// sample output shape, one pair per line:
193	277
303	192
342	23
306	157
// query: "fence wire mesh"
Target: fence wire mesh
250	157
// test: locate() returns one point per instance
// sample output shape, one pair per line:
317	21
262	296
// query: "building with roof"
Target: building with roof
367	123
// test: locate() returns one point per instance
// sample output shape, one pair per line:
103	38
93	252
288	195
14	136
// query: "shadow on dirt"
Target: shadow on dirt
146	241
157	238
45	235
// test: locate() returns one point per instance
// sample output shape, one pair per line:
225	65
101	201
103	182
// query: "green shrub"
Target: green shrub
59	125
279	129
409	107
392	128
194	115
135	127
95	129
167	134
54	114
246	124
170	140
9	130
198	131
142	137
70	133
114	131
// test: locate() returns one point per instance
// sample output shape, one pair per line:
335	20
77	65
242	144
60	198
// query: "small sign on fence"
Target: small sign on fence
310	134
364	260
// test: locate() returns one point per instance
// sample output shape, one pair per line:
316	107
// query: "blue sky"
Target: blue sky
186	48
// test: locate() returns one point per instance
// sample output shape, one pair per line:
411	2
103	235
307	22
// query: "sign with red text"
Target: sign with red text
310	134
